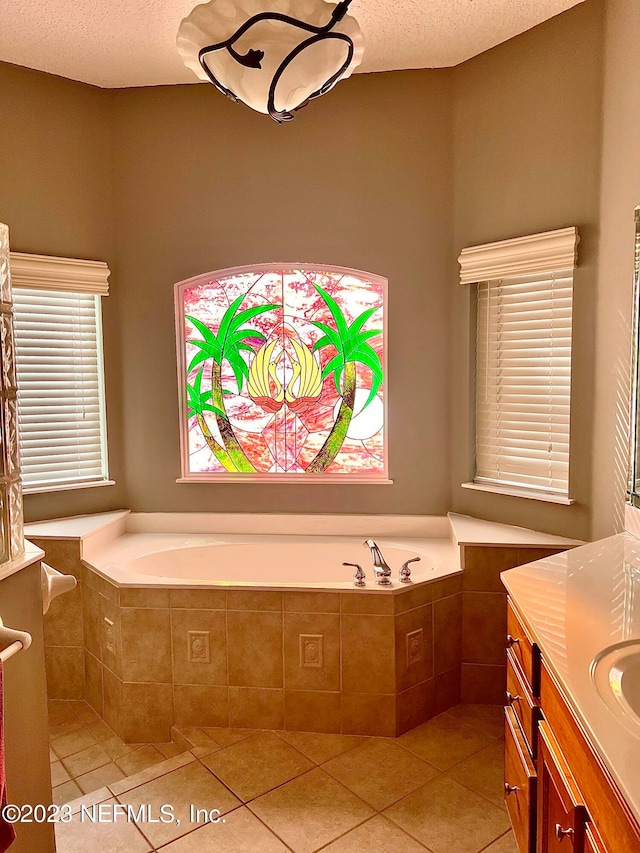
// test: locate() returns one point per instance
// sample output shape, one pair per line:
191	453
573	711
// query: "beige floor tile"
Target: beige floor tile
60	712
486	718
195	736
57	730
100	731
321	747
483	773
310	811
190	785
99	778
75	741
117	836
377	835
150	773
66	792
59	773
85	712
139	760
241	832
52	756
87	759
99	796
225	737
444	741
445	817
117	748
257	764
380	772
506	844
201	751
169	749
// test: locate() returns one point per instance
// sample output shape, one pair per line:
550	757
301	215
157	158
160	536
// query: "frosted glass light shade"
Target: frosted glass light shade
273	56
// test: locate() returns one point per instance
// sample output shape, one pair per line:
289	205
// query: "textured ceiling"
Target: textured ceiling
116	43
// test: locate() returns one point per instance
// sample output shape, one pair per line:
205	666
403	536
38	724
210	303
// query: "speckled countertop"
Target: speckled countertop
578	603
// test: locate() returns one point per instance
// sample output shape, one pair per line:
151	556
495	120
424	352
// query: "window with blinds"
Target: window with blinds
523	382
61	408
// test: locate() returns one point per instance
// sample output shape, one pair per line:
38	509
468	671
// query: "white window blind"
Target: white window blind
523	382
60	388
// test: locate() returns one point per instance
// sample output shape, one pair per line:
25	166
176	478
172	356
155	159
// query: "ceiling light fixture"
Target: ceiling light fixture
276	60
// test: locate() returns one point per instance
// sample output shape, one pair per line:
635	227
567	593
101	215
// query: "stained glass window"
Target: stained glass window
282	374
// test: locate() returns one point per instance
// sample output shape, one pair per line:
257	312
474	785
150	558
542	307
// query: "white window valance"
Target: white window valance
63	274
534	253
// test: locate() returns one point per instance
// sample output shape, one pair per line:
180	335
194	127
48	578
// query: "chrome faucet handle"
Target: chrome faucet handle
405	571
359	575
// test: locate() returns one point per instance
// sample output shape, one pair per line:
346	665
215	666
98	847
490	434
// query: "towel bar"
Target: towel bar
17	640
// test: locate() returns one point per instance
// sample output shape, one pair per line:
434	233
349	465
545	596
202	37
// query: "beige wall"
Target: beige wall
620	194
360	179
363	178
56	196
527	159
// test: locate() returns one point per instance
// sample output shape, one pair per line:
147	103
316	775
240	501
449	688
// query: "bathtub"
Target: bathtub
199	620
265	561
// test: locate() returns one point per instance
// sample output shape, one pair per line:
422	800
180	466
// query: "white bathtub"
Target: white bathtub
264	561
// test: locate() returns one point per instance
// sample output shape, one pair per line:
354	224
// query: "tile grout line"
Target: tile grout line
173	676
283	668
365	738
257	796
497	838
258	818
226	644
404	829
342	835
248	805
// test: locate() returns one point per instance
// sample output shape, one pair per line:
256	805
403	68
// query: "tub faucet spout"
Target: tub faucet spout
380	567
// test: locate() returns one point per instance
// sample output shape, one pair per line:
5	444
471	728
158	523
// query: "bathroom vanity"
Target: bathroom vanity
572	718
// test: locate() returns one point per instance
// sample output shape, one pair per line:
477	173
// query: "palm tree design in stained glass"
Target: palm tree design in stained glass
285	373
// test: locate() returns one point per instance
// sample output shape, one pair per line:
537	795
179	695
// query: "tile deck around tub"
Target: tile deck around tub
436	789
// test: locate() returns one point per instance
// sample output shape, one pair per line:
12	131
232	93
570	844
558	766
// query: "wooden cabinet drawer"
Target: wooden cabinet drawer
524	651
525	706
520	784
561	811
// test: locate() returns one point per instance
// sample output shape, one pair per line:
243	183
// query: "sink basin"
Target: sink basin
616	675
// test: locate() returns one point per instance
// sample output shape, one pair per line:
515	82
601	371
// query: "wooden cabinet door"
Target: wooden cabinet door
561	810
519	784
525	652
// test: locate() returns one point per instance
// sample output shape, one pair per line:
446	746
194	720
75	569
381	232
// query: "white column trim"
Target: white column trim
50	273
544	252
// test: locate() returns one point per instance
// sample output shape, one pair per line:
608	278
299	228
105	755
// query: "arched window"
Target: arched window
282	374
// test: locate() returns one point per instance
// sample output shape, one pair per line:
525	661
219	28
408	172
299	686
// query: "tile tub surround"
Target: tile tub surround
486	549
84	630
353	663
484	617
158	654
438	788
64	635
